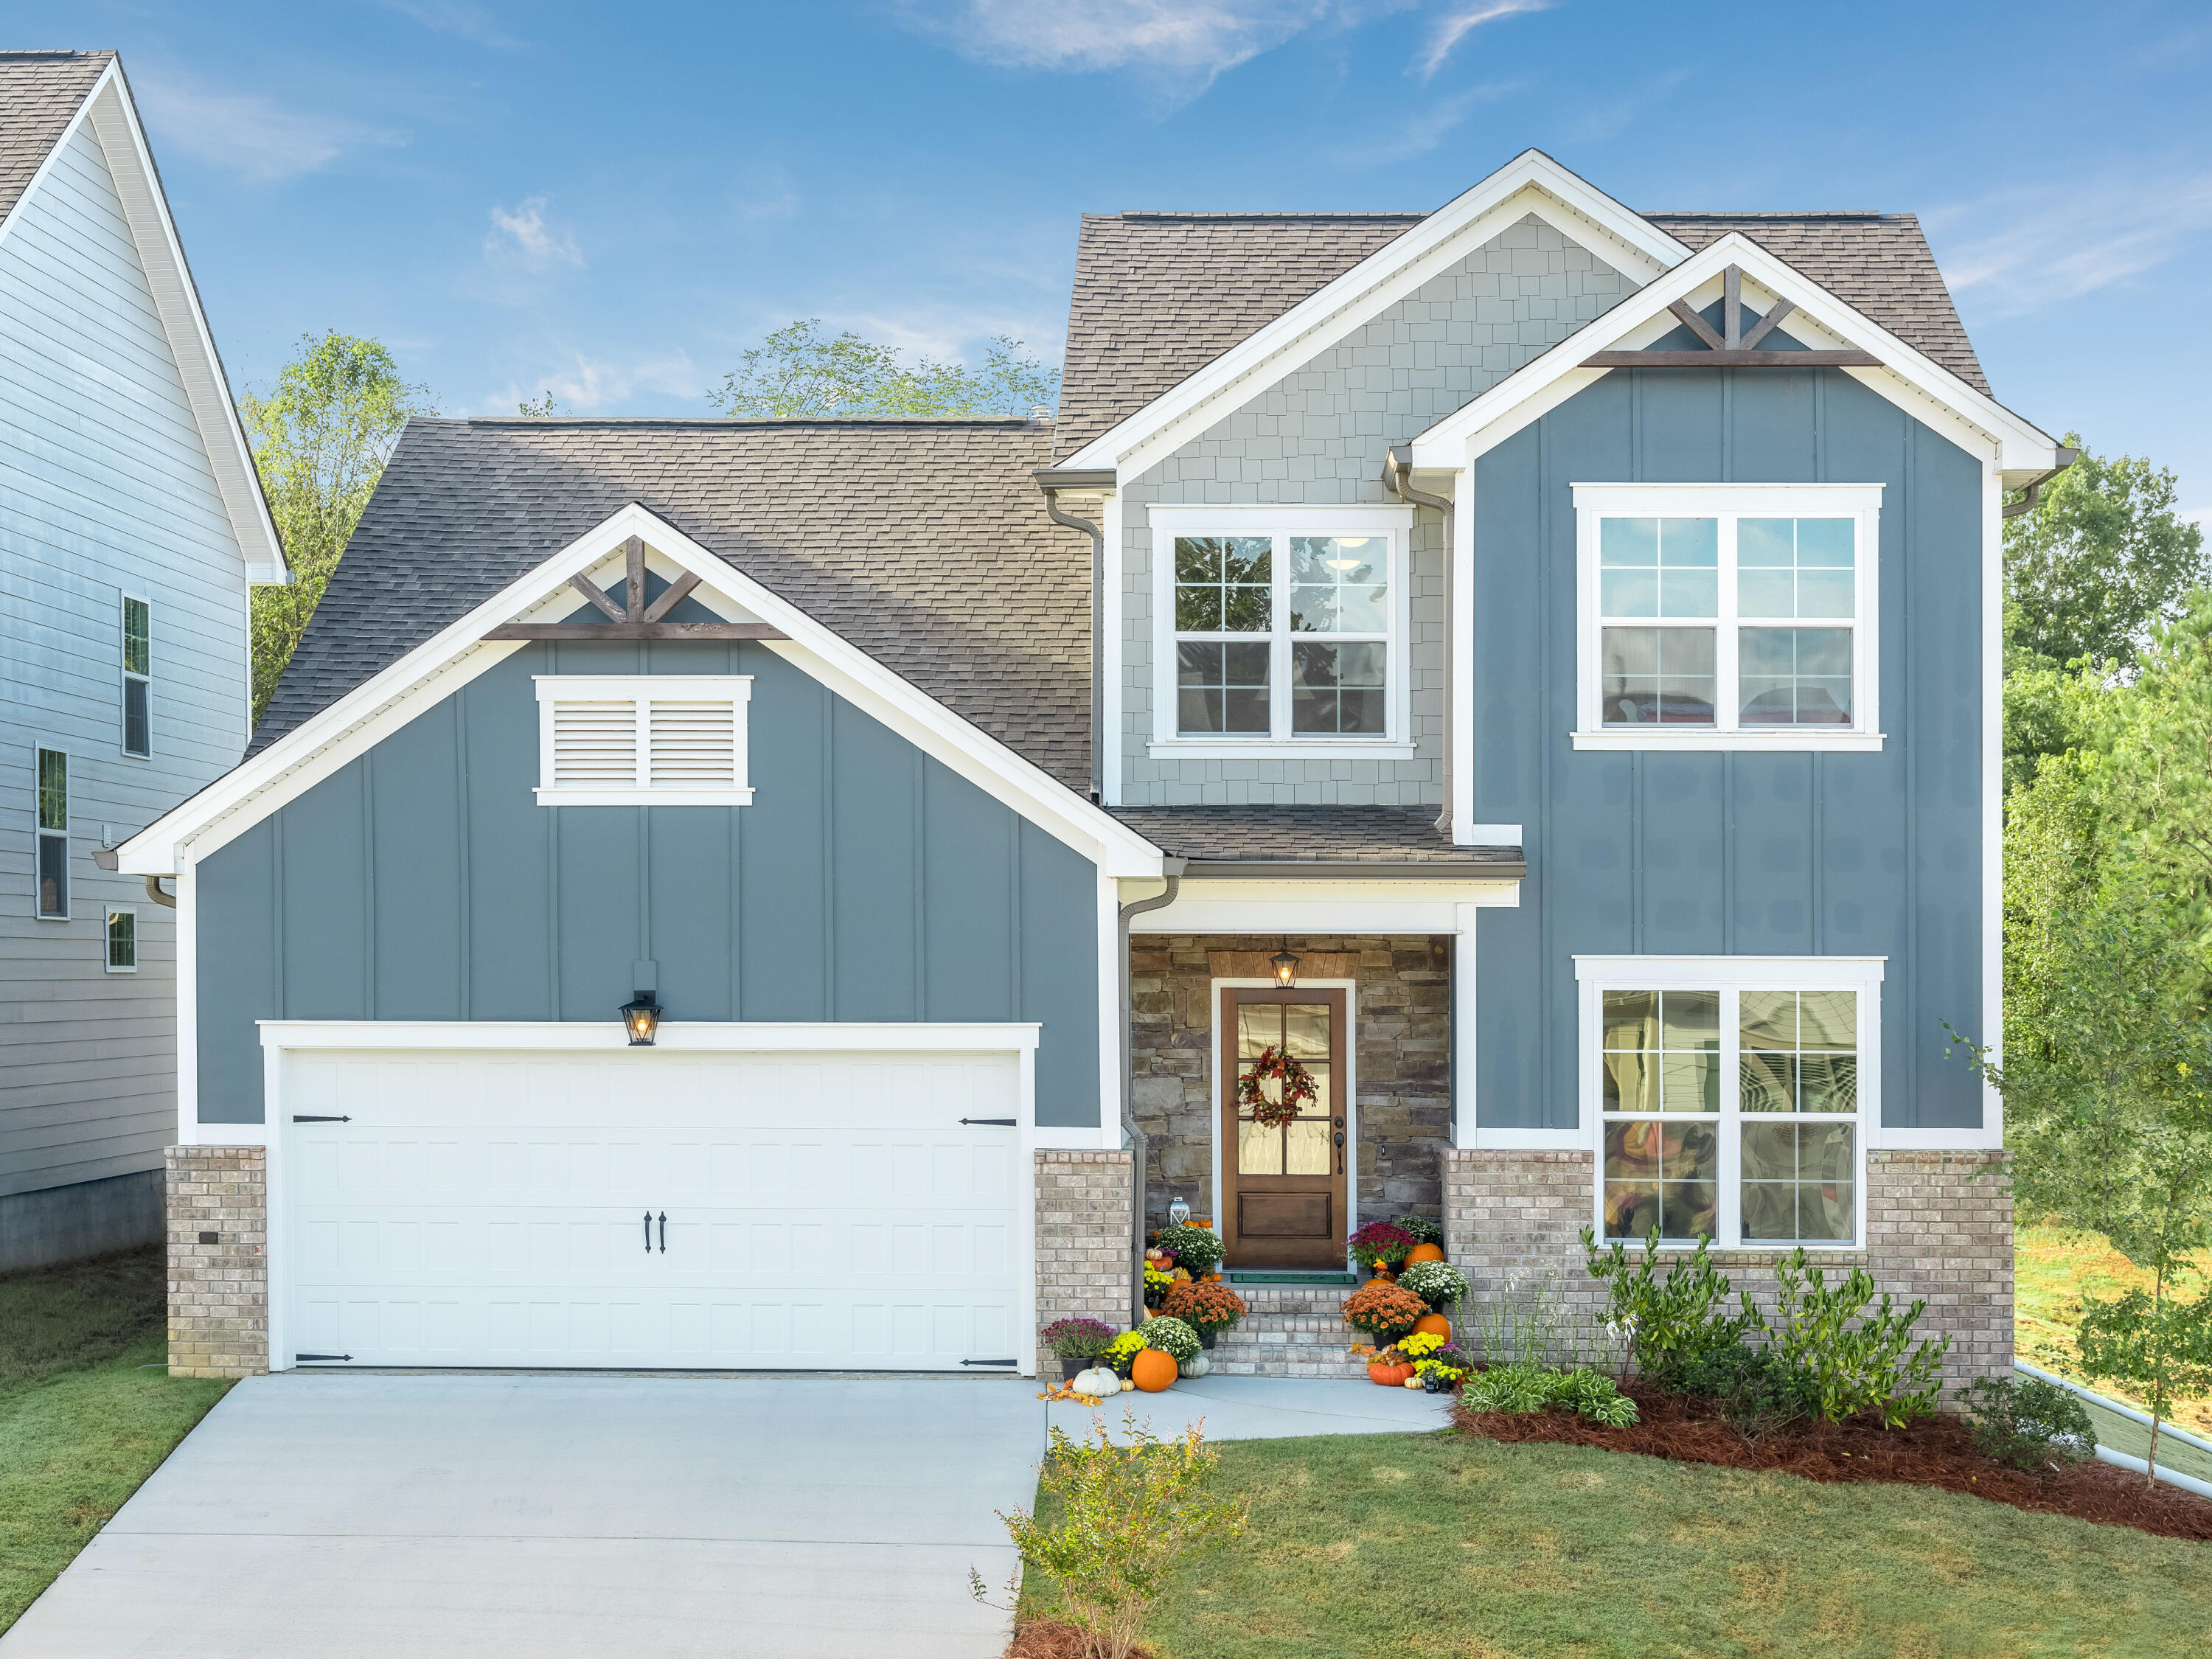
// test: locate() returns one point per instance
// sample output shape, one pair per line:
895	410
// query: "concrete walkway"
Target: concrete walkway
454	1515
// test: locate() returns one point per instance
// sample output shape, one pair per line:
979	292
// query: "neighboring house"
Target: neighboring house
130	525
1569	634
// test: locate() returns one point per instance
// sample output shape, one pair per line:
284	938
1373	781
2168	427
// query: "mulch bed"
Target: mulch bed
1048	1639
1935	1451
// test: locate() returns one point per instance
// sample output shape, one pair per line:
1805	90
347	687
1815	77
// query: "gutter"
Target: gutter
1138	1146
1350	870
2026	504
1051	481
1398	479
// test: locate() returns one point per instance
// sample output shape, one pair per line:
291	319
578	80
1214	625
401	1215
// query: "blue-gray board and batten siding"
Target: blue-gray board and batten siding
865	882
1654	852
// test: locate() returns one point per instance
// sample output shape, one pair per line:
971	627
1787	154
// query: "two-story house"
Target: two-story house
131	524
740	893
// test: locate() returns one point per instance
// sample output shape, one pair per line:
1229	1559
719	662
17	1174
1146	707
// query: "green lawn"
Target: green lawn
82	1422
1446	1547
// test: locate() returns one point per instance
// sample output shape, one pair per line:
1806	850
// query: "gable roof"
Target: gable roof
40	92
922	543
1157	297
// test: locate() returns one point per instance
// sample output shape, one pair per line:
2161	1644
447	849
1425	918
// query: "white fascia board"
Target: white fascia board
1531	183
681	1037
1238	906
115	124
1908	378
458	652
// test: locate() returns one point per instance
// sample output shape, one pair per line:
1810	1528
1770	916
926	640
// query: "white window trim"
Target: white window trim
1730	976
40	834
1394	522
1862	502
123	660
108	924
643	689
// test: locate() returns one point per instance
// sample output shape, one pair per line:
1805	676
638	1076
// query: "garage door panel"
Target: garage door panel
825	1211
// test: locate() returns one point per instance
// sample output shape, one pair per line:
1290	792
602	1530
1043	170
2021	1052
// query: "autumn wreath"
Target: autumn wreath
1297	1088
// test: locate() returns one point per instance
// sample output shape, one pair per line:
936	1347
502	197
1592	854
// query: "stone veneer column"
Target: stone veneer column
218	1214
1939	1229
1083	1250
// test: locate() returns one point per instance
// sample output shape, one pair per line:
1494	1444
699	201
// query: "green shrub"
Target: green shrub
1854	1368
1756	1389
1525	1387
1196	1249
1422	1230
1592	1394
1132	1516
1671	1322
2029	1423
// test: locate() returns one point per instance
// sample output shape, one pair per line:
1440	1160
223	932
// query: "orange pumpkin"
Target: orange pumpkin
1390	1376
1425	1253
1153	1370
1435	1322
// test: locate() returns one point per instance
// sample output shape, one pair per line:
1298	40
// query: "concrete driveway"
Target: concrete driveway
368	1516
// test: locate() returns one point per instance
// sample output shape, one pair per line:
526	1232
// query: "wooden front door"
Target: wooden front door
1284	1200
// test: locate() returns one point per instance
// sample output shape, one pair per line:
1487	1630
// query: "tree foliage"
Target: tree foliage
800	373
320	437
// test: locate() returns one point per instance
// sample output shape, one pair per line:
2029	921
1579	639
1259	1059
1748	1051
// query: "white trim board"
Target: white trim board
364	716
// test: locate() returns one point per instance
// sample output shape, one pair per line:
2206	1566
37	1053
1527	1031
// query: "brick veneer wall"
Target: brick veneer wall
1401	1030
1939	1228
1083	1244
218	1228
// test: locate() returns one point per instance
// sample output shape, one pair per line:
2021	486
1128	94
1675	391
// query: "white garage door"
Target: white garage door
651	1209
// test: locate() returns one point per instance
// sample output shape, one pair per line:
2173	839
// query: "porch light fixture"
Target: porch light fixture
642	1018
1286	966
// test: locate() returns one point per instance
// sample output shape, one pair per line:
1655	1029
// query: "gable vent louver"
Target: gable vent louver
692	744
669	740
594	744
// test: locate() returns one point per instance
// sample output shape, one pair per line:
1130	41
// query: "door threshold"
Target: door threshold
1289	1276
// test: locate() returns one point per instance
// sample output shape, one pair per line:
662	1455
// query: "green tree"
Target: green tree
320	438
800	373
2101	557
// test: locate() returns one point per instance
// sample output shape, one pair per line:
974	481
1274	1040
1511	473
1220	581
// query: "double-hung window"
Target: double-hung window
1731	1098
122	943
52	862
1728	616
1283	630
137	677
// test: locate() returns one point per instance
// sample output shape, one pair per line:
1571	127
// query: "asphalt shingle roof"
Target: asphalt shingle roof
1309	834
923	543
39	93
1159	295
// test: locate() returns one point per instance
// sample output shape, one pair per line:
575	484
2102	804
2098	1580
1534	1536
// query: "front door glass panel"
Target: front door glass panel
1301	1147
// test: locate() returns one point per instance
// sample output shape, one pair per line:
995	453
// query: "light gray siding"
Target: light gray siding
1319	436
105	490
865	882
1695	854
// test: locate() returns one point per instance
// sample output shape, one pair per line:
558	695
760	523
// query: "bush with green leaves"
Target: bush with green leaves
1422	1230
1437	1283
1196	1249
1170	1336
1756	1389
1132	1515
2029	1423
1855	1367
1671	1322
1526	1388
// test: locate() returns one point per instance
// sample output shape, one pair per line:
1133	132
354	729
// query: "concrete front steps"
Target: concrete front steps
1290	1330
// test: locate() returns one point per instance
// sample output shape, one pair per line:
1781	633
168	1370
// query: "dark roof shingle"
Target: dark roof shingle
1306	834
923	543
39	93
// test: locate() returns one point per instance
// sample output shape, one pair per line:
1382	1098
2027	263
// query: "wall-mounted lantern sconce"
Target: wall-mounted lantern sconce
1286	966
641	1017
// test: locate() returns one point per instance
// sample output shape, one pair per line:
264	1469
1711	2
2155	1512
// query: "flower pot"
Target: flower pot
1072	1369
1205	1339
1390	1376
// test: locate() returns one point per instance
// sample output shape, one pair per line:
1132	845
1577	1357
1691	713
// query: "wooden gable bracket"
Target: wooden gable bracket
634	619
1732	349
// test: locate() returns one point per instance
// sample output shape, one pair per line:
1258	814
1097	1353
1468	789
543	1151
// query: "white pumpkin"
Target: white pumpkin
1197	1365
1098	1380
1129	1385
1415	1383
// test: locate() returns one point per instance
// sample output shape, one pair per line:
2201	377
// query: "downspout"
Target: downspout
2026	504
1091	528
154	892
1138	1144
1398	479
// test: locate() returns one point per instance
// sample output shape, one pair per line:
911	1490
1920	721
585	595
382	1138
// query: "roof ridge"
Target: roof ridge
1203	213
1769	213
1008	422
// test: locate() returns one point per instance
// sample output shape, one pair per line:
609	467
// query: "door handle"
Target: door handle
648	1232
664	1232
1340	1149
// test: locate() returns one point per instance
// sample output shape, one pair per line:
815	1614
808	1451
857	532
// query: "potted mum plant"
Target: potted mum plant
1437	1283
1196	1250
1384	1311
1078	1342
1207	1308
1381	1245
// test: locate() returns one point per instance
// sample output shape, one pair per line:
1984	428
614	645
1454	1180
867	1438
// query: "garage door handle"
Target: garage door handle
995	1123
664	1232
648	1232
297	1118
988	1362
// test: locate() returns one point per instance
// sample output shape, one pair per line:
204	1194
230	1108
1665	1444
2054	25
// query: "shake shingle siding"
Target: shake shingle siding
923	543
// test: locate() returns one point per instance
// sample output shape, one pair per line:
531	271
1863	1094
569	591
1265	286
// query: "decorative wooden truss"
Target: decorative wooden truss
1732	348
635	619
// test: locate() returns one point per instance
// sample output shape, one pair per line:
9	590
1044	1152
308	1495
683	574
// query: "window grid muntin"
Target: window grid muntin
1290	716
119	945
1729	1119
1729	622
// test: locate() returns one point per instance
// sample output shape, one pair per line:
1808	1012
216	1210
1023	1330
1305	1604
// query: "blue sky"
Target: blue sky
611	202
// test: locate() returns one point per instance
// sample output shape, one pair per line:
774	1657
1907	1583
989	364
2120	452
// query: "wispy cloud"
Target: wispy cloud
522	234
1423	129
2018	250
246	132
457	17
1460	22
1615	116
586	385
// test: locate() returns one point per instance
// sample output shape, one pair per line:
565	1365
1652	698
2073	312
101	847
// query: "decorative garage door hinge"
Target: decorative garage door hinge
297	1118
995	1123
986	1362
